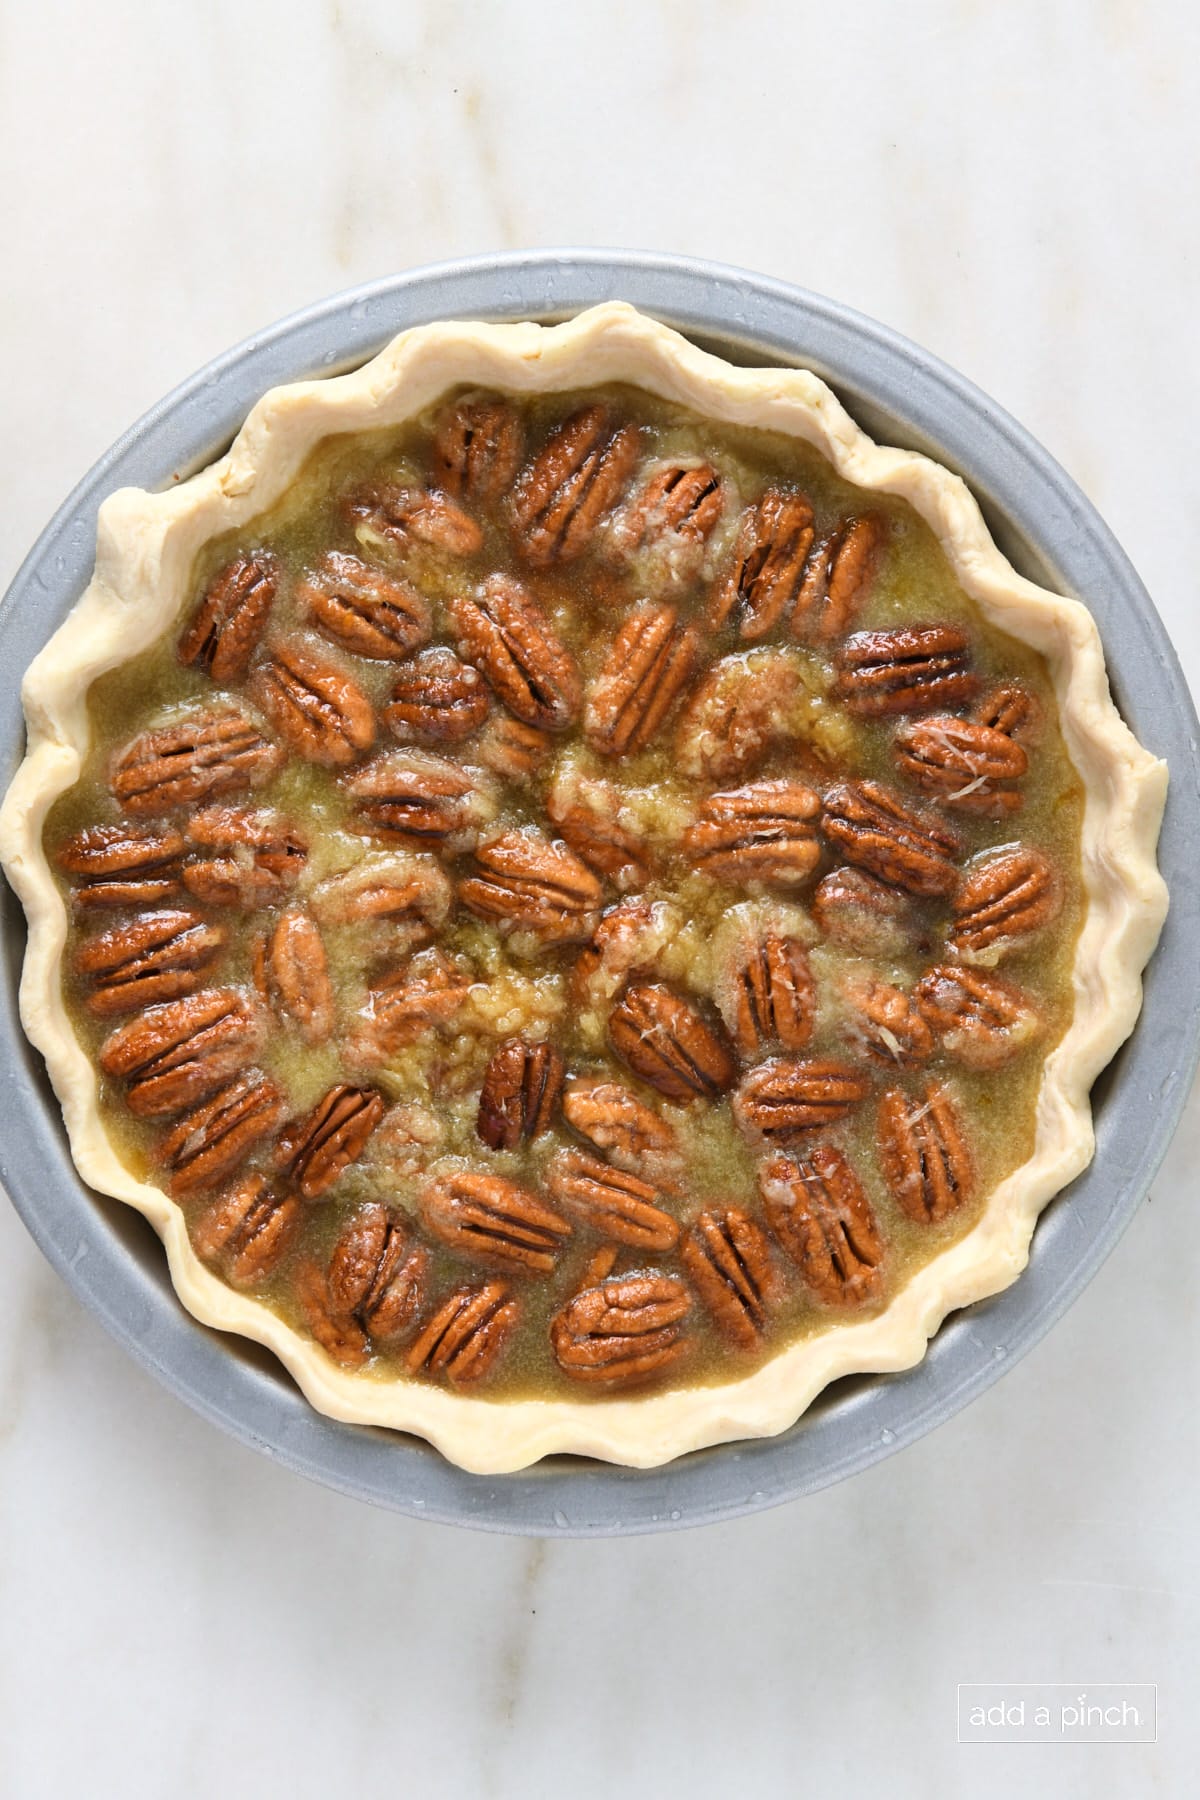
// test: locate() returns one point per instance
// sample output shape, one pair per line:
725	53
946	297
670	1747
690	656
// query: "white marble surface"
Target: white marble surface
1013	186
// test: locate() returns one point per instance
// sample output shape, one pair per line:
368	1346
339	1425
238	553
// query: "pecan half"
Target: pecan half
405	898
625	1329
612	1201
293	976
979	1018
1003	900
377	1275
587	812
225	628
339	1335
910	848
571	484
504	632
317	1149
198	759
422	996
511	749
415	519
816	1207
527	883
923	1152
254	857
967	766
767	994
838	577
485	1215
729	1261
887	1024
177	1052
122	865
248	1230
743	704
466	1334
156	956
1012	709
663	1038
764	577
651	657
414	797
212	1140
522	1086
763	832
320	712
666	523
795	1094
363	608
858	913
477	449
611	1117
628	940
436	699
914	669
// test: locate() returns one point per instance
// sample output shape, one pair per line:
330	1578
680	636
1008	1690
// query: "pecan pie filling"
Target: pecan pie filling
582	902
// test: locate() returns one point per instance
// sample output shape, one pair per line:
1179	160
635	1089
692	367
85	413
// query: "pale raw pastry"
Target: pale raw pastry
148	546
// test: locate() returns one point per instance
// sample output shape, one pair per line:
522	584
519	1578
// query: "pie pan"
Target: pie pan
1046	528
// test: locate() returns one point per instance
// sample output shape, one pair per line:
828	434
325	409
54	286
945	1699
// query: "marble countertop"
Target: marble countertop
1007	186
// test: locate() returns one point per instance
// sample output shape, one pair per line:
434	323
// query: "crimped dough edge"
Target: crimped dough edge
146	546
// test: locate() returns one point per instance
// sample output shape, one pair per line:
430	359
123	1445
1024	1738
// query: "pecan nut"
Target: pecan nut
216	1137
790	1095
766	994
612	1201
503	631
316	1150
377	1275
522	1086
364	609
910	848
858	913
963	764
978	1018
247	1230
625	1329
729	1261
1013	709
742	706
816	1207
477	449
156	956
293	976
650	659
763	832
487	1216
627	941
663	1038
511	749
321	712
122	865
886	1023
665	525
923	1152
177	1052
588	813
413	520
628	1131
224	631
416	798
405	899
339	1335
915	669
201	758
253	857
422	996
466	1334
838	577
576	478
764	577
436	699
1002	901
525	882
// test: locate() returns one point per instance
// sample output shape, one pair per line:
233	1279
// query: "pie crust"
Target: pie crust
147	545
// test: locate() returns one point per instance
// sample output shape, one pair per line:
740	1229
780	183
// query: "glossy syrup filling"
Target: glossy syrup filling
795	999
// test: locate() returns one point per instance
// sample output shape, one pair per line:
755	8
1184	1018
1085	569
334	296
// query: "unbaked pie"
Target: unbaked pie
583	898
